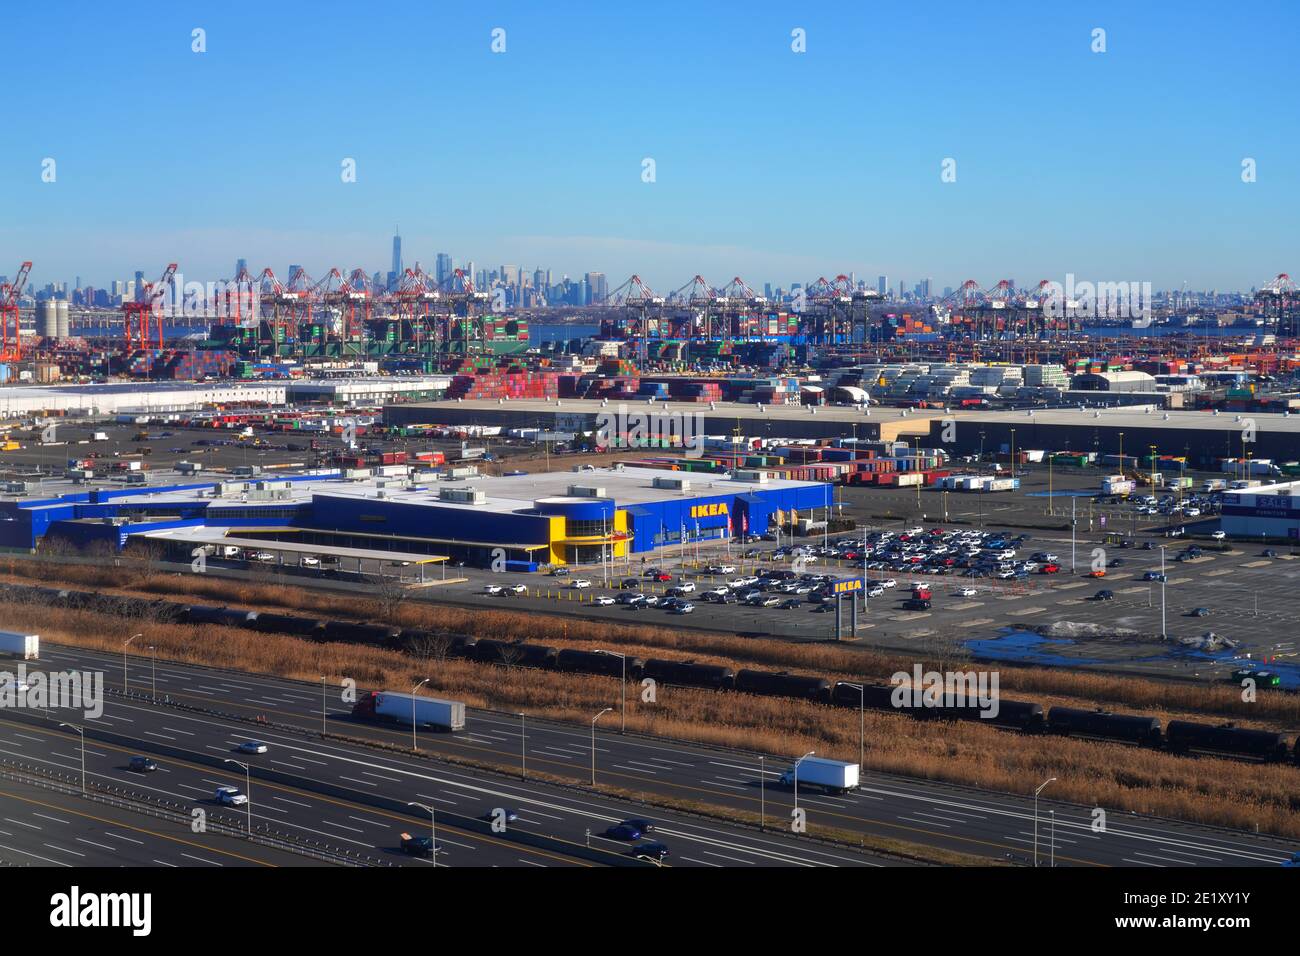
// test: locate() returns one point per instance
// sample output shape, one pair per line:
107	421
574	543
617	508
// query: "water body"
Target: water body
1027	647
1166	331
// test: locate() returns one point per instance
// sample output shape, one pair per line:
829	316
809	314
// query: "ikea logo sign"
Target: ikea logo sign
709	511
842	587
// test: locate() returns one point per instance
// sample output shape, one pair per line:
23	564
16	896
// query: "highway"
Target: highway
46	827
357	813
992	825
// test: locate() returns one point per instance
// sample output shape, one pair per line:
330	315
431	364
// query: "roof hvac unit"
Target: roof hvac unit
743	474
673	484
586	491
462	496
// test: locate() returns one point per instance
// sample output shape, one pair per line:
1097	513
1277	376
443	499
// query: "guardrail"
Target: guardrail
179	814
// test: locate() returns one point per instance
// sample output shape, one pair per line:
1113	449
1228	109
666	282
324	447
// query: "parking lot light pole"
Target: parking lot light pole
1164	634
433	829
1036	793
248	791
415	745
81	732
125	680
593	742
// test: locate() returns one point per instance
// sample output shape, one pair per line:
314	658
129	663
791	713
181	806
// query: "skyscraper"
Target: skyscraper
397	251
882	285
443	267
599	287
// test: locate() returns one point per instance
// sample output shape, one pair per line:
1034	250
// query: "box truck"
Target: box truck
830	775
398	707
16	643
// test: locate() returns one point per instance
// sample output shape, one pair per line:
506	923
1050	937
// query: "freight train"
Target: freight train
1179	736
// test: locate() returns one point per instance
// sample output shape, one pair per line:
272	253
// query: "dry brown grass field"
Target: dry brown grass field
1222	792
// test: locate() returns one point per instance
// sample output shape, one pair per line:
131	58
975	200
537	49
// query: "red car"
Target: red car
1049	569
663	576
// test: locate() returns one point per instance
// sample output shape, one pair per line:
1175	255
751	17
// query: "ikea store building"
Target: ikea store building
530	519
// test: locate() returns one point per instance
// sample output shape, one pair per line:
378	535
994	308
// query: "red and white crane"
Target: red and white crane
11	344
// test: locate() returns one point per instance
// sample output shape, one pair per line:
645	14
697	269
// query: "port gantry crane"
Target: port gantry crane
143	316
414	302
639	305
461	308
11	346
283	305
690	312
237	302
741	310
1280	304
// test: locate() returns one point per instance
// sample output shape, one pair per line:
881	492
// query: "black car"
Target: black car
630	584
141	765
654	851
1199	612
824	608
1104	595
917	604
1270	553
636	823
419	845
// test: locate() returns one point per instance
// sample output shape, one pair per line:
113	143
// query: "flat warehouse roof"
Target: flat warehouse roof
214	536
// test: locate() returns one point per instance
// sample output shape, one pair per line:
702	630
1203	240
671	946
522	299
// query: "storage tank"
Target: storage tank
49	319
62	324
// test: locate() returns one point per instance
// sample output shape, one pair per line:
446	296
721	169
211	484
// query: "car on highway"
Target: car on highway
505	814
621	831
1104	595
419	845
603	600
230	797
252	747
579	583
654	850
639	823
141	765
1293	861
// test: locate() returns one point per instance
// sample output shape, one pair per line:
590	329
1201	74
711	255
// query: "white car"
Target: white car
889	583
876	592
252	747
604	600
517	589
263	556
724	569
231	797
686	587
492	589
966	592
686	608
309	562
1193	512
580	583
1218	536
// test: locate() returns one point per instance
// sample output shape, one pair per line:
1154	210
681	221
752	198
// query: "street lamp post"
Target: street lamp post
415	745
153	672
125	679
248	791
433	829
862	724
523	746
1036	793
762	792
322	705
622	690
796	776
1052	860
81	732
593	742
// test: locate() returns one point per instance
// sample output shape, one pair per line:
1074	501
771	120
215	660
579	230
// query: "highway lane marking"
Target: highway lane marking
1143	863
34	856
201	860
619	766
373	823
295	802
118	836
63	849
701	862
102	846
30	826
341	826
165	863
46	816
928	823
382	777
368	783
723	856
131	827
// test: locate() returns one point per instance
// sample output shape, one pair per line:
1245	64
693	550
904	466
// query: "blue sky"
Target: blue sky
777	166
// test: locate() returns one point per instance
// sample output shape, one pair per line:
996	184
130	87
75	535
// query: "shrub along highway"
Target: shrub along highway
215	710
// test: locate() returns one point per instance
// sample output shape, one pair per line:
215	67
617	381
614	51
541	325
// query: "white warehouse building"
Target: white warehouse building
1264	512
